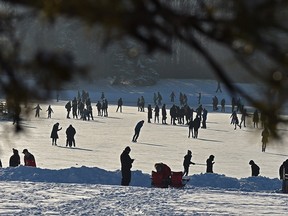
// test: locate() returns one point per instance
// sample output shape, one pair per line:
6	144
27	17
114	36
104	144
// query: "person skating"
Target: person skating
14	159
149	113
137	130
126	165
50	111
265	135
54	133
187	161
255	169
37	108
29	159
68	107
120	103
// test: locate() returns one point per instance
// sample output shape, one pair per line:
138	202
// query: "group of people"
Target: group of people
14	161
70	135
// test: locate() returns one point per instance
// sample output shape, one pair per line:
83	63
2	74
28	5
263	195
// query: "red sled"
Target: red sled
176	180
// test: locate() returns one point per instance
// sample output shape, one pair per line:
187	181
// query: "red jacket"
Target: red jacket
29	160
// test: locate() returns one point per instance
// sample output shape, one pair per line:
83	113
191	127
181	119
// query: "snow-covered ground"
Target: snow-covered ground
86	180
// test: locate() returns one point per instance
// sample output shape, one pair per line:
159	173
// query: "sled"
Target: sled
176	181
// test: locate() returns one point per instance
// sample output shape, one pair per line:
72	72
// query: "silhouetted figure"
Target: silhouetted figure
197	122
37	108
234	120
70	133
137	130
223	102
120	103
14	159
191	128
54	133
283	174
187	161
218	87
126	165
164	114
159	97
199	98
68	107
29	159
256	118
204	118
265	135
172	97
149	113
210	162
74	108
156	116
243	117
49	110
255	170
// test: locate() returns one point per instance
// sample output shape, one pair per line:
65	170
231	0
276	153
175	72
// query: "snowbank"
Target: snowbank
87	175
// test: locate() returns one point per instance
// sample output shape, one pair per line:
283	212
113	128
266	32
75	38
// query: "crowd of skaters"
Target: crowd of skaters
183	114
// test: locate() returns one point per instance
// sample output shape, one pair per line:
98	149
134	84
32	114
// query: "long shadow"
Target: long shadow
149	144
276	154
74	148
217	130
208	140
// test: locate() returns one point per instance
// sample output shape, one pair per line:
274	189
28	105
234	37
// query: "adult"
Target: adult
156	116
210	162
255	169
283	171
68	108
54	133
137	129
120	103
255	118
164	114
187	161
150	110
197	122
14	159
29	159
191	128
204	118
126	165
265	135
70	133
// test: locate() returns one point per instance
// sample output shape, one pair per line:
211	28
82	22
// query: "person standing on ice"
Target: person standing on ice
149	113
126	165
164	114
156	116
137	130
119	103
196	126
210	162
255	169
70	133
187	161
54	133
29	159
68	108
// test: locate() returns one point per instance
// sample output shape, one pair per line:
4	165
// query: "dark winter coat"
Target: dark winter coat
187	160
139	126
283	169
29	160
209	163
14	159
70	132
54	132
126	161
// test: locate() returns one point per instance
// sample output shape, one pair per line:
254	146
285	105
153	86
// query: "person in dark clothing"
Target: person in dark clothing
204	118
156	116
283	169
0	164
50	111
265	135
191	128
137	130
120	103
37	108
186	163
197	122
126	165
254	168
210	162
14	159
68	107
70	133
54	133
29	159
149	113
164	114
